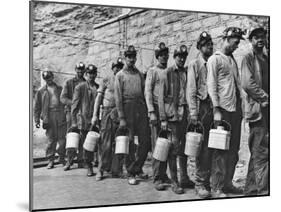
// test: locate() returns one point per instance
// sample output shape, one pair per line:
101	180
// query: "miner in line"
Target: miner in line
66	98
49	108
200	109
224	88
255	82
159	168
132	114
173	113
108	161
83	103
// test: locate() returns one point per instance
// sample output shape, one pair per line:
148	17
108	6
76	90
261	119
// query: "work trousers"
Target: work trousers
227	158
55	133
159	168
137	122
108	161
257	177
178	130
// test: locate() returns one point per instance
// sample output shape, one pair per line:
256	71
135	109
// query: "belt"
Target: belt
55	109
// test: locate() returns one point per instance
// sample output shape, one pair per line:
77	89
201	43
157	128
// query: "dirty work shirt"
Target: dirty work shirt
152	83
129	86
106	88
54	99
223	81
197	84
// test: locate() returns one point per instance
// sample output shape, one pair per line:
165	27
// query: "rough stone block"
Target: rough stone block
217	31
211	21
177	26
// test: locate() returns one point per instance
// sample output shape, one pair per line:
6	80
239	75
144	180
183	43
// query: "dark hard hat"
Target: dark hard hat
232	32
161	49
204	38
91	69
118	63
130	51
182	50
80	66
257	31
47	75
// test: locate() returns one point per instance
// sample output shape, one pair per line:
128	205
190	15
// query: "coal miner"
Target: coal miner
173	113
109	123
151	95
49	108
224	88
255	82
83	103
200	109
66	98
132	113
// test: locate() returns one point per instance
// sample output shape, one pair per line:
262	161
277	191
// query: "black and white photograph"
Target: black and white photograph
132	105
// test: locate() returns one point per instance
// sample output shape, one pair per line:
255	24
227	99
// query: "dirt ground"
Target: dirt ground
59	189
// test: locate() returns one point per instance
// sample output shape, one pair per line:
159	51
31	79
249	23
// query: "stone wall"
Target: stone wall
142	28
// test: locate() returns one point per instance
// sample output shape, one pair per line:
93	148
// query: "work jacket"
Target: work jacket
42	102
172	94
196	84
83	104
223	82
68	90
254	95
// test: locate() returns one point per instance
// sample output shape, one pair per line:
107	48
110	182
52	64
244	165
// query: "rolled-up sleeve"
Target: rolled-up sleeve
191	91
249	83
118	96
149	85
212	80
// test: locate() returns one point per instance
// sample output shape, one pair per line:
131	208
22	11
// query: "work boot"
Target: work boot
90	172
232	189
177	189
187	183
132	180
50	164
159	186
67	166
99	175
202	192
62	161
218	193
142	176
166	179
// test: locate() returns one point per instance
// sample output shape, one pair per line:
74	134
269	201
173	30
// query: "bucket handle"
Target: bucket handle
125	129
94	128
222	122
73	129
199	124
